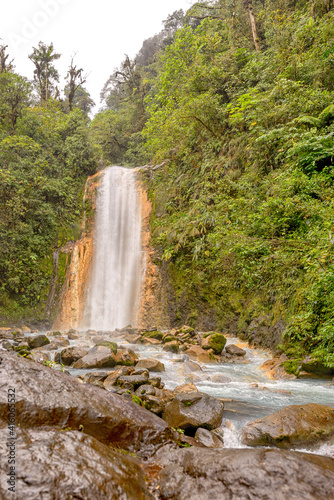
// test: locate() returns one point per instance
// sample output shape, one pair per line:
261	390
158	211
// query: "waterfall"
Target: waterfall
114	288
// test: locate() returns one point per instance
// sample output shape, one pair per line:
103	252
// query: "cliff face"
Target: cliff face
80	253
153	304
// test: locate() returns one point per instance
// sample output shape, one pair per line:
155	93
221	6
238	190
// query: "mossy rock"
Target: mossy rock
170	338
186	329
217	342
20	348
153	335
137	400
112	345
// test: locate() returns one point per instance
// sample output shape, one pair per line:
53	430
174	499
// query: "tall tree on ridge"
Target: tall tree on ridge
45	74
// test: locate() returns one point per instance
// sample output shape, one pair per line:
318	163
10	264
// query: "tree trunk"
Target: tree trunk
253	24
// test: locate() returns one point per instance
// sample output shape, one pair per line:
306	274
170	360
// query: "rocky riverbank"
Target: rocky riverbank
118	422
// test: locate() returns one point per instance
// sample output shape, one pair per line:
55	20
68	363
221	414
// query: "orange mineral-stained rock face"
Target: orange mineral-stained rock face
73	294
152	302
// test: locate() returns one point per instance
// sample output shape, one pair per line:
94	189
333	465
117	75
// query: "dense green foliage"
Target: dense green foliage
244	208
45	157
243	200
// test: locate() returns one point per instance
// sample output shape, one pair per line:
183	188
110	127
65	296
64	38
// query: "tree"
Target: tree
81	100
5	66
75	80
15	95
45	74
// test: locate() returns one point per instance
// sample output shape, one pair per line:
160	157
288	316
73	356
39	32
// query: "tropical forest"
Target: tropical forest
226	119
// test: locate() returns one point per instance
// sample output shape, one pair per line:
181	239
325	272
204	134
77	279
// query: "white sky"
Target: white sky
99	31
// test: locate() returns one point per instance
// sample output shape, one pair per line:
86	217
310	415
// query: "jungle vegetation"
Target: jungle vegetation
232	107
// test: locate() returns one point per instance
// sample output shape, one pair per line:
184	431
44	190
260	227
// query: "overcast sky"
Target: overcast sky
99	31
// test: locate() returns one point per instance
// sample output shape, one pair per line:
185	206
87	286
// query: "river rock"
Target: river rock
73	336
147	341
181	389
111	380
275	370
145	390
97	357
234	350
126	357
134	380
219	378
240	474
156	382
51	465
39	356
154	404
96	378
293	426
46	397
153	365
72	354
191	410
172	346
38	341
6	335
58	342
196	353
207	439
191	366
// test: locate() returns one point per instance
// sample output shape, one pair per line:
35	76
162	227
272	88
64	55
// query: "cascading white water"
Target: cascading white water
113	293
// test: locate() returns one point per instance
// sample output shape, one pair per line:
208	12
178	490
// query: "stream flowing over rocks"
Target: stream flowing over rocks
143	421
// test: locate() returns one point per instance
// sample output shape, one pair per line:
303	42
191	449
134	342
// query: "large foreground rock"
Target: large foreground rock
45	397
259	474
67	465
293	426
190	410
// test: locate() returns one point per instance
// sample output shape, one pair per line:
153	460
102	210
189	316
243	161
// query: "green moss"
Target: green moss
112	345
153	335
169	338
217	342
137	400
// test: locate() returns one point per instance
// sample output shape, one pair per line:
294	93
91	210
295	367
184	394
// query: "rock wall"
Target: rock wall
80	252
153	302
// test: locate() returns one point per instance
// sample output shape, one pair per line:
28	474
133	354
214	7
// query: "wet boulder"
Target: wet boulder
190	410
145	390
126	357
234	350
207	438
97	357
172	346
219	378
70	355
111	380
156	382
47	397
293	426
180	389
153	365
134	380
38	341
154	404
39	356
237	474
196	353
52	465
191	366
107	343
58	342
